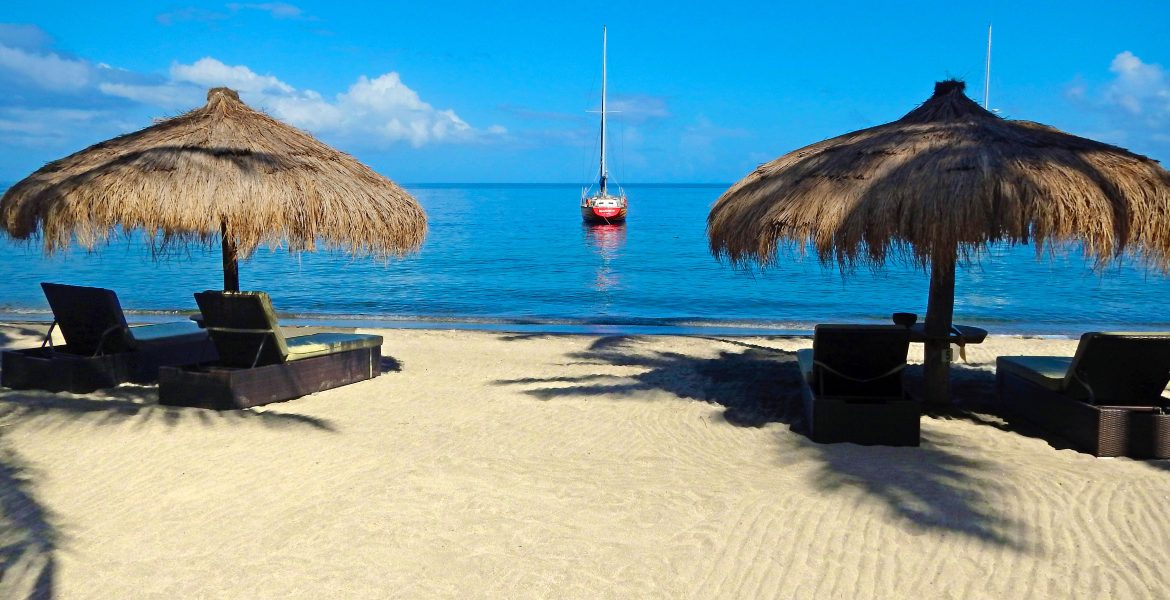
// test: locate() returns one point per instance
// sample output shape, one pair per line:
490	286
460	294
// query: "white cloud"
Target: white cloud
45	70
386	105
1139	88
308	110
372	111
208	72
386	91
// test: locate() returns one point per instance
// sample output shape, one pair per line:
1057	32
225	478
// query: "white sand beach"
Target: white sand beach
497	465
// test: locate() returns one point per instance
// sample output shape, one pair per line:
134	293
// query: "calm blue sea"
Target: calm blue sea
517	257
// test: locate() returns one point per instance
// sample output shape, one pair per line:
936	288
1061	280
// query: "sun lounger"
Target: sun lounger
1107	399
101	349
258	364
852	386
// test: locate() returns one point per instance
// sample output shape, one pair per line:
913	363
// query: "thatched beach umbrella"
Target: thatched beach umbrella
221	171
937	185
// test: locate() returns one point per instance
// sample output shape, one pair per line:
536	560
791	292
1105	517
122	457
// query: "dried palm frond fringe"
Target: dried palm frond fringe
945	180
220	169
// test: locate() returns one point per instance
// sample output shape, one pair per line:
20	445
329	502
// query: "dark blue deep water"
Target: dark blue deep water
501	255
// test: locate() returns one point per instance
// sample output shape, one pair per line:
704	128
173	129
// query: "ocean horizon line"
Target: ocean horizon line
537	185
5	185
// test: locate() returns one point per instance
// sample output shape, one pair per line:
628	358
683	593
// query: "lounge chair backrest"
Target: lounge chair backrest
90	318
243	327
1120	369
859	360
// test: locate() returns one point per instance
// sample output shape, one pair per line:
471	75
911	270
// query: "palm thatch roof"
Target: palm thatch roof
948	177
223	169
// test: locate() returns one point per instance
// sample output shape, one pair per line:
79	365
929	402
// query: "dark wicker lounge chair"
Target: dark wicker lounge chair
1107	399
258	364
852	386
101	349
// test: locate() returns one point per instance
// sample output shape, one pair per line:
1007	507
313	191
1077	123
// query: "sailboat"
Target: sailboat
603	207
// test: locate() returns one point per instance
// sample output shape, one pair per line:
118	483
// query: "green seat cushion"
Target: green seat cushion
1047	371
804	358
320	344
167	333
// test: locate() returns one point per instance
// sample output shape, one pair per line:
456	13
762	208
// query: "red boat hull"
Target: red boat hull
603	214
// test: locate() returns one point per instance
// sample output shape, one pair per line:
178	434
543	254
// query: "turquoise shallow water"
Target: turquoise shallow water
518	257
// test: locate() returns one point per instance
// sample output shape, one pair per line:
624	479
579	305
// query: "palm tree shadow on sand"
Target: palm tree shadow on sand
30	535
934	487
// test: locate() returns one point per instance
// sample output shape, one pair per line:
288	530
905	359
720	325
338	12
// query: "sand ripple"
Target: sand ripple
526	466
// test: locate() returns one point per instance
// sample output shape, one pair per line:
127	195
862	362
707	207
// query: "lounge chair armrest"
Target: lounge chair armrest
101	347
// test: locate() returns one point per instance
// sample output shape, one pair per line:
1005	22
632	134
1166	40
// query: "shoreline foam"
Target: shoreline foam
592	326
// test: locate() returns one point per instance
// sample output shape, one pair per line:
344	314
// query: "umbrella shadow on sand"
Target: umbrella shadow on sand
30	535
935	487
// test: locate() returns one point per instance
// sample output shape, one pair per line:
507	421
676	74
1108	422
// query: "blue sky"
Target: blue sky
500	92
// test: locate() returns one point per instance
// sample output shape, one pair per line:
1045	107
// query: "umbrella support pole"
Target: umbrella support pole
231	268
940	308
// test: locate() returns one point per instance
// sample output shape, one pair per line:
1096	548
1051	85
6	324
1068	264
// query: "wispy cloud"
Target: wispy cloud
44	70
51	127
35	75
700	136
190	13
639	108
25	37
278	10
531	114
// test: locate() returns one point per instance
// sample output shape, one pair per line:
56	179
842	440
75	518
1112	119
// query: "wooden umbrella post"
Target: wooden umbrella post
861	196
940	308
231	268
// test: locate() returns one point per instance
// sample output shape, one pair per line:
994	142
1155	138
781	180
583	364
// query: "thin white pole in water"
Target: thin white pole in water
987	70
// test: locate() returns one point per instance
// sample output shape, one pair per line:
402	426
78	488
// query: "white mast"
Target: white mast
987	71
604	174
